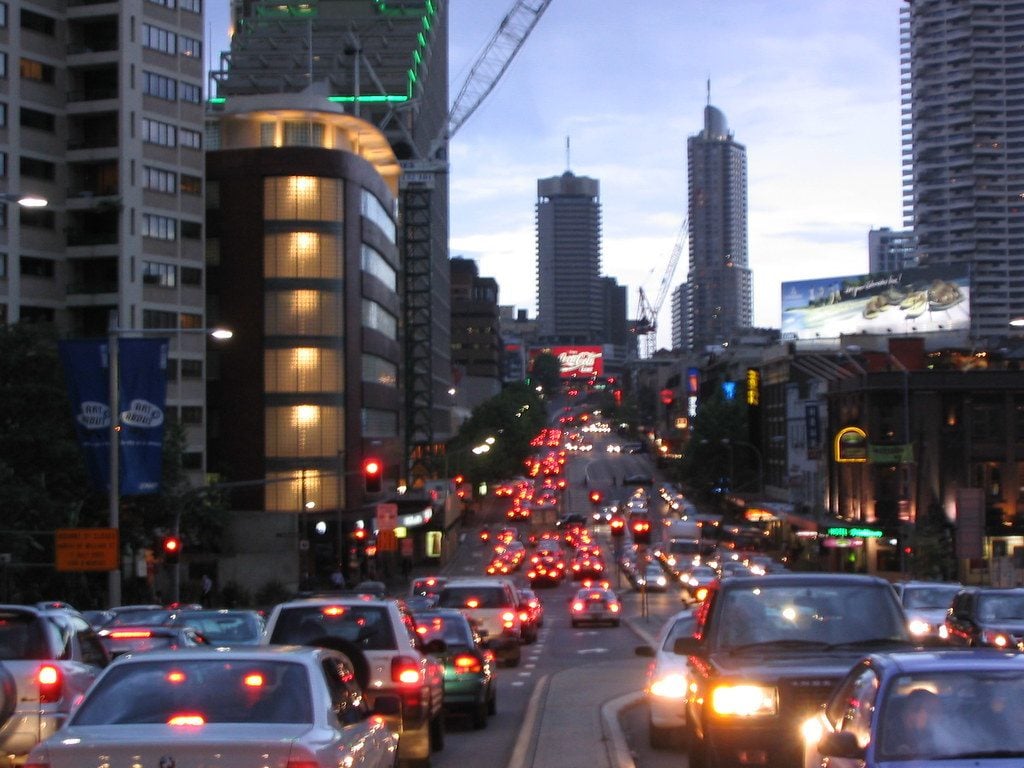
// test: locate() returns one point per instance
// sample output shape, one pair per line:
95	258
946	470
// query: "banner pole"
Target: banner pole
114	576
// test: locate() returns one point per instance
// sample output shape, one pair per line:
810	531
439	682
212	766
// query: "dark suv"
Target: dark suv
987	616
766	653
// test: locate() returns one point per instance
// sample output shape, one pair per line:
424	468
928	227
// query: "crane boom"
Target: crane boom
647	322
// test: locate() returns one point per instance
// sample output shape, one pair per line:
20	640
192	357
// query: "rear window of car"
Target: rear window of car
367	626
24	636
453	630
199	691
472	597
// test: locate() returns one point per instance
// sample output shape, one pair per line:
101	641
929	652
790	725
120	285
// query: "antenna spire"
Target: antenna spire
568	165
709	92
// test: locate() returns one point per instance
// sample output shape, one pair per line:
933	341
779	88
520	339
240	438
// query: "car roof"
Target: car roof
263	652
940	660
800	579
349	598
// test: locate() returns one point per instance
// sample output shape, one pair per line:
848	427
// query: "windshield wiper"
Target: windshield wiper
779	644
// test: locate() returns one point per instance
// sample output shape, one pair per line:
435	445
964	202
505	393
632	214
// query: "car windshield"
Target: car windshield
1006	607
953	713
929	597
453	630
367	626
138	617
191	691
826	613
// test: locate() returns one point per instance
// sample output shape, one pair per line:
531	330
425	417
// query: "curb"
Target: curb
619	753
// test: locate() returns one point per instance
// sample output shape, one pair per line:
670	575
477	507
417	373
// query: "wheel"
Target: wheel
492	704
661	738
437	732
480	712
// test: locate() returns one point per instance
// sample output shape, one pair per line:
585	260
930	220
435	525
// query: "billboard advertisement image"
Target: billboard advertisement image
581	362
917	300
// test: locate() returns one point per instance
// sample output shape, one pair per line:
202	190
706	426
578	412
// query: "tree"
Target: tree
706	459
546	372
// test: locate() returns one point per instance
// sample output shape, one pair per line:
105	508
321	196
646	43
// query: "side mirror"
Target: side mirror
840	744
687	646
644	650
387	705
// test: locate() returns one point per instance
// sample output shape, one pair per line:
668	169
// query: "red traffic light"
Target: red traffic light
172	544
595	497
373	469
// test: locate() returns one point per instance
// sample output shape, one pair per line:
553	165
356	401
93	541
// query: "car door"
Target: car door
360	740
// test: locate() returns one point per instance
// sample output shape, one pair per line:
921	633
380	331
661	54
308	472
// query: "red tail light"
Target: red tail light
508	618
130	634
50	680
406	670
302	764
467	662
36	765
577	606
524	616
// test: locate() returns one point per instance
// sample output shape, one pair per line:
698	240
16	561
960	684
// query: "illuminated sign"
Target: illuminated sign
917	300
575	361
692	381
851	446
729	389
753	386
842	532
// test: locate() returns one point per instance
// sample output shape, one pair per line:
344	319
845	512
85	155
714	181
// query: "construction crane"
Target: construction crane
646	325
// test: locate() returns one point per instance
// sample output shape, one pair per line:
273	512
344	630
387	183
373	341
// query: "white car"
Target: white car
232	708
666	686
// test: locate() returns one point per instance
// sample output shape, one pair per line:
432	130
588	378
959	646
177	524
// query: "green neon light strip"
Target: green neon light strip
371	99
217	100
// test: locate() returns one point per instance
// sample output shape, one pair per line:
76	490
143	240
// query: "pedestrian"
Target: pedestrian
338	578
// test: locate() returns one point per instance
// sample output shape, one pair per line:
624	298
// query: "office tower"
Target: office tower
386	64
681	331
102	115
476	339
616	317
963	62
890	251
719	279
569	288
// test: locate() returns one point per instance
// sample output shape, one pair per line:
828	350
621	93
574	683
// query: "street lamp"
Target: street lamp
25	201
113	334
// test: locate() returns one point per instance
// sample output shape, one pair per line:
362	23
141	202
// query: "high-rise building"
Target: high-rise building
963	63
681	331
890	251
570	292
103	116
719	278
476	337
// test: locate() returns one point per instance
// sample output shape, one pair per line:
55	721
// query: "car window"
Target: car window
453	630
682	627
89	646
473	597
347	701
851	708
24	636
367	626
199	691
928	597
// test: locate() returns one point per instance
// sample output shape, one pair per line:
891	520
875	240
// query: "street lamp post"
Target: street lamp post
113	335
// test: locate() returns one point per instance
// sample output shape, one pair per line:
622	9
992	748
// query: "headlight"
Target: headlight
918	627
744	700
998	639
671	686
812	731
943	632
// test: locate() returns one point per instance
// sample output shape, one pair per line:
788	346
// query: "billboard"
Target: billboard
581	362
918	300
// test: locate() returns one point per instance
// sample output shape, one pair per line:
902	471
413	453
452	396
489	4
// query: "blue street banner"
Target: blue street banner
142	396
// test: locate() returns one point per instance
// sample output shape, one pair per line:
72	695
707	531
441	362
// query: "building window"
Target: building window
159	180
163	275
372	209
378	318
159	86
3	266
302	313
302	369
191	369
156	318
3	215
156	132
3	164
163	3
375	264
191	230
212	251
191	414
158	227
268	134
193	6
303	431
41	218
37	169
37	22
377	370
303	198
158	39
191	276
191	139
378	423
3	65
303	134
38	120
3	15
3	114
302	254
191	185
38	71
190	93
32	266
190	47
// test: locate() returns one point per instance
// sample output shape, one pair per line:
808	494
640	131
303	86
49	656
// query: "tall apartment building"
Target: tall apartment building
963	63
570	292
476	336
102	114
681	330
719	278
891	251
387	65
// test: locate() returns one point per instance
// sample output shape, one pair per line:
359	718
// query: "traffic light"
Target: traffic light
172	549
373	470
617	526
595	497
641	530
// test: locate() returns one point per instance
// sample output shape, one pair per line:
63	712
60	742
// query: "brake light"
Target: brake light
254	680
406	670
130	634
614	607
524	616
50	681
187	720
334	610
577	606
508	618
467	663
175	676
302	764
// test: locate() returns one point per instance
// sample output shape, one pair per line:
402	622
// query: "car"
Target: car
948	707
595	605
768	651
427	586
137	639
378	635
223	626
987	616
666	683
469	668
586	566
137	615
638	478
653	578
492	607
534	604
926	604
48	659
202	706
546	571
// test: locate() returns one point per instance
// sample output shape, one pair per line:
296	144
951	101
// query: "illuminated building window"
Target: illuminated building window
302	369
303	431
378	318
303	134
377	370
302	254
302	313
286	491
375	264
302	198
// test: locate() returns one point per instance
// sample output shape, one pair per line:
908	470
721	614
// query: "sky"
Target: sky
811	88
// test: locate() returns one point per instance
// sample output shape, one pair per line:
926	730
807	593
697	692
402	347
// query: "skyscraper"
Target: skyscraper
719	278
570	293
963	62
890	251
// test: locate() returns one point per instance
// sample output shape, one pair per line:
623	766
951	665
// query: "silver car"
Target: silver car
666	686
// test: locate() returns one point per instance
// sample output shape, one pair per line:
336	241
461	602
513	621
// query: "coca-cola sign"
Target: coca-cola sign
576	361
